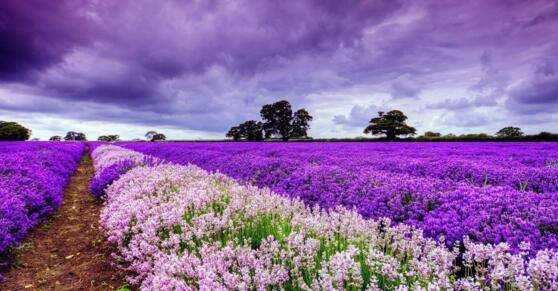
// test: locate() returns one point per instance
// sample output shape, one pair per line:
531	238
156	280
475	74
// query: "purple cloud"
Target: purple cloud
536	94
404	87
205	65
359	116
36	34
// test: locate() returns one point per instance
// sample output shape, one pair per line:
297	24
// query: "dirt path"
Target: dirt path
68	252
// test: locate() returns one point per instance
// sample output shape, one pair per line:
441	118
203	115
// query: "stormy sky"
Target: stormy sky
192	69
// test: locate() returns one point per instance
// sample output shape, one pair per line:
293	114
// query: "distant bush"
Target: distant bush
13	131
75	136
109	138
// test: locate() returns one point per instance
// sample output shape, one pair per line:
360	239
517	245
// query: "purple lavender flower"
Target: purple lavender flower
32	181
492	192
109	175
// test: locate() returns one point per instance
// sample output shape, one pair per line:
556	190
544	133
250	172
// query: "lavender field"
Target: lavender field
32	180
302	145
330	216
499	192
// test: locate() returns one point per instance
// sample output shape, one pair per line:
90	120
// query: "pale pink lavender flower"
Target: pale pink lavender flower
180	227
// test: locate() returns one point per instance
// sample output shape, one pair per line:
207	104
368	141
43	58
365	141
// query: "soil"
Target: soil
68	251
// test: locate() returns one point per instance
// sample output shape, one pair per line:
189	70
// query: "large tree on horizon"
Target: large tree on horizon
278	120
391	124
301	123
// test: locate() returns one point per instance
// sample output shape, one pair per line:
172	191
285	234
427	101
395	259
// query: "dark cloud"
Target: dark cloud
536	94
208	64
36	34
129	53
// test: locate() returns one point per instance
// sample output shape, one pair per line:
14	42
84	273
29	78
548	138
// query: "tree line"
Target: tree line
280	122
13	131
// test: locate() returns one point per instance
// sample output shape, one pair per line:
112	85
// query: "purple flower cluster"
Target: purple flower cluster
181	228
491	192
110	163
100	182
32	180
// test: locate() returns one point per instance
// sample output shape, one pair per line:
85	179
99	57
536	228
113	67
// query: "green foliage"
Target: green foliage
155	136
109	138
300	123
509	131
252	230
235	132
159	137
392	124
55	138
13	131
278	120
250	130
431	134
75	136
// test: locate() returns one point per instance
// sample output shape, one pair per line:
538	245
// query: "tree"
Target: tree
253	130
109	138
13	131
301	124
431	134
509	131
391	124
55	138
250	130
278	120
158	137
149	135
75	136
235	133
155	136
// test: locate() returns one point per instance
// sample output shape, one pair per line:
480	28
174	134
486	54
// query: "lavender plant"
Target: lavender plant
32	180
491	192
182	228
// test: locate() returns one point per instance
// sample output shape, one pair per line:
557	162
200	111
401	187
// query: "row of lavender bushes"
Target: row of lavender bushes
484	191
181	228
32	181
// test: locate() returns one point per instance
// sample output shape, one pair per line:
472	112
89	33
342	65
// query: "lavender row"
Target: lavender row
523	166
32	181
441	207
182	228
